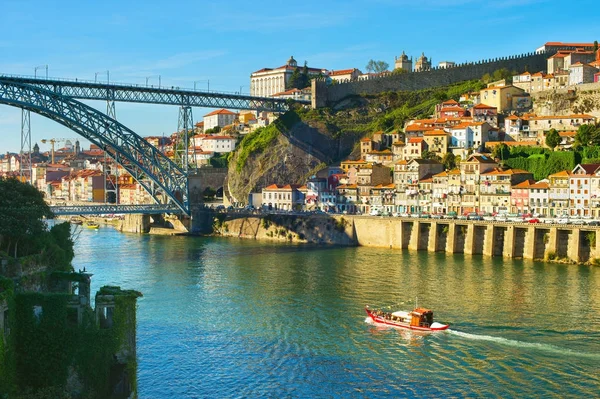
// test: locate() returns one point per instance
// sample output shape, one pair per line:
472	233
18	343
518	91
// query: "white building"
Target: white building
220	118
581	73
469	134
268	81
214	143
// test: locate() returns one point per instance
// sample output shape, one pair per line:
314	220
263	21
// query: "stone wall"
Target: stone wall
558	243
580	99
325	95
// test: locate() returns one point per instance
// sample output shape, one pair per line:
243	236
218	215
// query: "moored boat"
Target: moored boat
75	220
92	225
419	319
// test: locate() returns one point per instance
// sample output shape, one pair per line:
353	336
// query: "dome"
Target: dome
403	57
422	57
292	61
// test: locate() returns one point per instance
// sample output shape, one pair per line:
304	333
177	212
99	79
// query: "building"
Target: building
505	98
447	64
221	118
581	73
287	197
214	143
268	81
414	148
556	46
403	63
343	75
580	186
436	142
495	189
485	113
422	64
558	193
295	94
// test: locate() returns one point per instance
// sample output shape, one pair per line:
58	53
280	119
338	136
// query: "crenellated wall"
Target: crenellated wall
325	95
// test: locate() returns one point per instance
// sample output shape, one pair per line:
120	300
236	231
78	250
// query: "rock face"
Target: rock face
281	163
583	99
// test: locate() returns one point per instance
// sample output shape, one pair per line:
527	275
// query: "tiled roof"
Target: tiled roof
435	133
483	106
221	111
342	72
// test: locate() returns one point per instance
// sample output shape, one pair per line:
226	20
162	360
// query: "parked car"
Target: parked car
577	221
533	220
436	216
501	218
594	223
562	221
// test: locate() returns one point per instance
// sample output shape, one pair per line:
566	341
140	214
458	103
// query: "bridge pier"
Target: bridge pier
135	224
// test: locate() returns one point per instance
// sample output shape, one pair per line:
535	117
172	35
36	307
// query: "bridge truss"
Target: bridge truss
113	209
151	168
152	95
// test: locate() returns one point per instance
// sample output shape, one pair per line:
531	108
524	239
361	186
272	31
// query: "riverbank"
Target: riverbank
552	243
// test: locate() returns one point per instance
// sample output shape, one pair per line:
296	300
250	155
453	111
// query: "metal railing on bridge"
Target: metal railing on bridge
64	210
152	94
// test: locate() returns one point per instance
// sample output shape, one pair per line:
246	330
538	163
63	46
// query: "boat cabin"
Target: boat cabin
421	317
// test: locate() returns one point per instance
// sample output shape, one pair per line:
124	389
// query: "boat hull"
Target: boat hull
379	320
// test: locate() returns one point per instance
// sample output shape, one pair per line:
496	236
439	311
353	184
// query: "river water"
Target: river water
229	318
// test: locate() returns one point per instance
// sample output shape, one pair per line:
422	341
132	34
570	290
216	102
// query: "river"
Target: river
229	318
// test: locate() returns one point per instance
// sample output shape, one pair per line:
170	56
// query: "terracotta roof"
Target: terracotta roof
525	184
570	133
483	106
221	111
540	184
564	173
569	44
589	167
342	72
452	109
219	138
436	133
513	118
364	140
401	162
418	128
450	102
415	140
497	171
525	143
426	180
398	143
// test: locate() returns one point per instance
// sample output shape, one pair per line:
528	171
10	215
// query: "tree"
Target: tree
584	134
291	84
501	151
552	138
22	211
595	45
449	161
377	66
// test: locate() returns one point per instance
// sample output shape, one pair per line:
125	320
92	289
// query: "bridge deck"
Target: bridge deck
64	210
152	94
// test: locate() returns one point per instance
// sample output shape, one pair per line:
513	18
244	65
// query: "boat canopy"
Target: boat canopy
421	311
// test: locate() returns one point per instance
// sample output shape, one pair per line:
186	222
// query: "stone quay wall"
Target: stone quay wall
556	243
325	95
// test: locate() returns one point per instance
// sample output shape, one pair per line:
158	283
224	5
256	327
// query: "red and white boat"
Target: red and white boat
420	319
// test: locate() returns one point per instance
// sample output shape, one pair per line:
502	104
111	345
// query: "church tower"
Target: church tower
423	64
403	63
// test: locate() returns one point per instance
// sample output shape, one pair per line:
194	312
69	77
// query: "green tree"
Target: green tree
584	134
595	45
501	73
294	80
552	138
377	66
486	78
501	151
449	161
22	209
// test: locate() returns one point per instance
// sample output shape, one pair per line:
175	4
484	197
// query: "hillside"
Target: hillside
303	140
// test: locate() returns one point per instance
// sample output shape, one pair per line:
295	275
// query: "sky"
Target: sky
219	44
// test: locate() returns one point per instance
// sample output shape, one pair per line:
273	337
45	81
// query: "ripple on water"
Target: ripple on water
231	318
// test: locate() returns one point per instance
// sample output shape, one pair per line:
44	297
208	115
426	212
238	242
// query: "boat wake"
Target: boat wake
523	344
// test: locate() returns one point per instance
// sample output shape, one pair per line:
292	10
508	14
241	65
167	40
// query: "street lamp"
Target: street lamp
40	67
102	73
153	76
241	89
202	81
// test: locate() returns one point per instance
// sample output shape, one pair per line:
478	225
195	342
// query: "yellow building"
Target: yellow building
501	97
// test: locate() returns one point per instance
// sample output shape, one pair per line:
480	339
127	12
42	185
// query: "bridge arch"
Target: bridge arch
138	157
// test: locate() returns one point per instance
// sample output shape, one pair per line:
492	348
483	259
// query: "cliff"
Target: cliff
303	140
583	99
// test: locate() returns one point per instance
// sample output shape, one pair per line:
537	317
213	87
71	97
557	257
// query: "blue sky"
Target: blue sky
187	41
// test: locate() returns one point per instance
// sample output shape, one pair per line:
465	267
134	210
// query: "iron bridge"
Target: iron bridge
86	90
66	210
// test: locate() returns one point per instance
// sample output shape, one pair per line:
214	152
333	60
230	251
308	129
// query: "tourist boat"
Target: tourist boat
92	225
420	319
75	220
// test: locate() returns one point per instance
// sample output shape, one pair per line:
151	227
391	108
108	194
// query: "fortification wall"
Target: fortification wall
325	95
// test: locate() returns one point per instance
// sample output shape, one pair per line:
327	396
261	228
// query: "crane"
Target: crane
55	140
